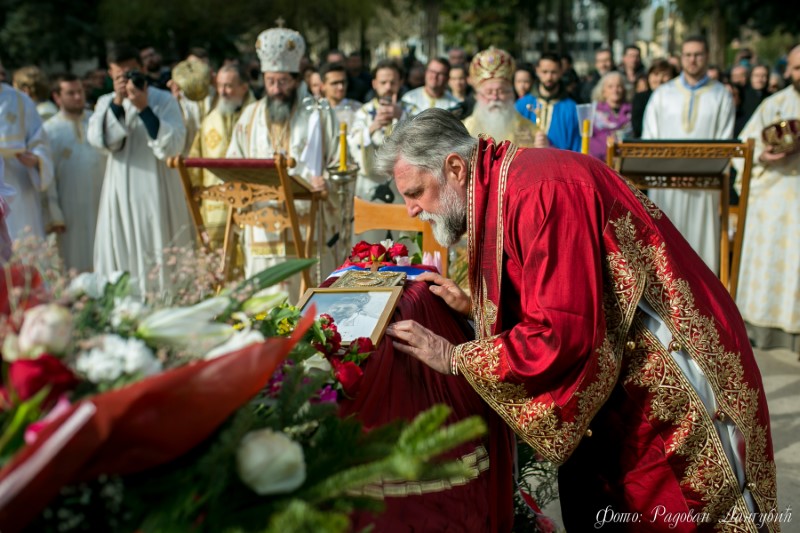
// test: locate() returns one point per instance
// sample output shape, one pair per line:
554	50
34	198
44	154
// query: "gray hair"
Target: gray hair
424	141
597	92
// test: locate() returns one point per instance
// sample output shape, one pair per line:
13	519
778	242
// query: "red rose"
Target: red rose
325	320
362	345
360	251
376	252
349	375
398	250
28	376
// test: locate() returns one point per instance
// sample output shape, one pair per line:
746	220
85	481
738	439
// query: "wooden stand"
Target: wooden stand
247	183
691	165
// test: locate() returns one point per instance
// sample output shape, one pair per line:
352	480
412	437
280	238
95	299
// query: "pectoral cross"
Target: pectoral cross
280	22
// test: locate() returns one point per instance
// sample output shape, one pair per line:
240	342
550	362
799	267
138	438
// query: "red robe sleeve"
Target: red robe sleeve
551	366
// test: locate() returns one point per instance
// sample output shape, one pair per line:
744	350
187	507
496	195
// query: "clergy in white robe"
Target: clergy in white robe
79	170
769	280
28	165
434	92
281	123
142	206
691	106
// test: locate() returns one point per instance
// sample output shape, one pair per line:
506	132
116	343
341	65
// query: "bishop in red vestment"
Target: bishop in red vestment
603	340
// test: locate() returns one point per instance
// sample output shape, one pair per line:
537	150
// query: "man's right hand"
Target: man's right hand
447	290
120	90
540	140
769	156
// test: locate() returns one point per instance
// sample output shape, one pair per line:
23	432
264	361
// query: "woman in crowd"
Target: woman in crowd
661	71
612	118
523	80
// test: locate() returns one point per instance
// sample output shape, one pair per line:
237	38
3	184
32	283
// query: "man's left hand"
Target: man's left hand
422	343
318	184
28	159
137	96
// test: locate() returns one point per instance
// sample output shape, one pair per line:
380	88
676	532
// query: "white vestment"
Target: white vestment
418	100
251	139
142	206
21	130
74	198
677	112
769	279
363	148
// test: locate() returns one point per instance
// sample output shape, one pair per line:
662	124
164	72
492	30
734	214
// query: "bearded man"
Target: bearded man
74	198
550	107
213	139
281	123
492	74
602	338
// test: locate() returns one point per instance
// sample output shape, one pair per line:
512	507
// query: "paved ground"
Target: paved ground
780	370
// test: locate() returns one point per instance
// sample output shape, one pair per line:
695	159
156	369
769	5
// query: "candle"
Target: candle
342	147
585	136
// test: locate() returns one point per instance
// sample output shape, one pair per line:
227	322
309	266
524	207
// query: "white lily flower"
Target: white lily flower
127	309
92	284
238	341
387	243
263	301
316	363
188	327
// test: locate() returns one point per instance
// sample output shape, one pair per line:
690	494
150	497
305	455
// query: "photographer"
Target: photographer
142	207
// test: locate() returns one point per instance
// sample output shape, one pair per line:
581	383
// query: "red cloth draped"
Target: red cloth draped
396	385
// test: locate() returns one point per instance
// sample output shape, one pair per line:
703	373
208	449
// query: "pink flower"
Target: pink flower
328	395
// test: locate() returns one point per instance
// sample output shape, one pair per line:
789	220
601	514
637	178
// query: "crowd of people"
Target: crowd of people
85	158
586	300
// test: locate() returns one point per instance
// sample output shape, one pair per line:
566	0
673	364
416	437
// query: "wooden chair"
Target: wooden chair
692	165
372	215
246	183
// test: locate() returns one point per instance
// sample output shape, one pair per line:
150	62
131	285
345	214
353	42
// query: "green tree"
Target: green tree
620	11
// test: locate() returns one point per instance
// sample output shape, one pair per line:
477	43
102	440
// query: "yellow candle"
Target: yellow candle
342	147
585	136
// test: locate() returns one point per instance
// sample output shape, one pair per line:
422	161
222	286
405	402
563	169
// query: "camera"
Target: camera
139	80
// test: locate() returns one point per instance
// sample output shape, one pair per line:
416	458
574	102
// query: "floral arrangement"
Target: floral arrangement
215	414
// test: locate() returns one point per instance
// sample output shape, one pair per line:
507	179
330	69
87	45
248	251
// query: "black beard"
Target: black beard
279	110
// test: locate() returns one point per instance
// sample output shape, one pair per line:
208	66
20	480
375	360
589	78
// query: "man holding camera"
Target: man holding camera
372	123
142	206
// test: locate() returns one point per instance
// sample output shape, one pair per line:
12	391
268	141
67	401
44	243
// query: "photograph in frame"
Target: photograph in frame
356	312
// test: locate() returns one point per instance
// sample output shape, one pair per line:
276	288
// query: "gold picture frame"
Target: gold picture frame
357	312
366	279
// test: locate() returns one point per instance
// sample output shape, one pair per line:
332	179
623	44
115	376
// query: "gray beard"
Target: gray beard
279	111
495	119
450	225
227	107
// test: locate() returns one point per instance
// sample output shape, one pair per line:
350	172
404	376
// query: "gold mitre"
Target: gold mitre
783	135
192	77
492	63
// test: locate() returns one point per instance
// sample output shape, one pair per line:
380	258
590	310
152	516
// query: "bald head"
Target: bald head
793	67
